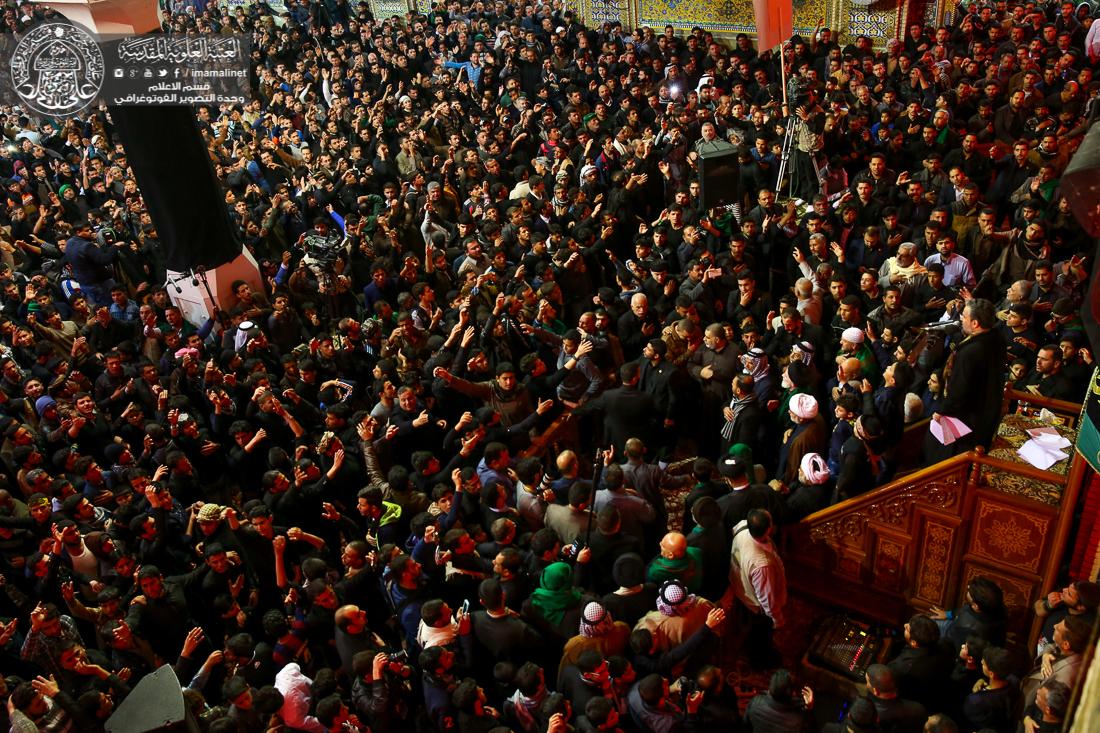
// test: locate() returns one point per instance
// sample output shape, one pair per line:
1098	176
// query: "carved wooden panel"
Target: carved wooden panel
896	510
849	564
1008	535
935	544
915	545
889	570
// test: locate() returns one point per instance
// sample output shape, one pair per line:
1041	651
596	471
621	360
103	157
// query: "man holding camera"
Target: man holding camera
92	265
808	141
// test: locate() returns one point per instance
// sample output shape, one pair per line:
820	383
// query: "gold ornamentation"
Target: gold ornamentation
1011	434
933	568
942	493
889	563
1008	535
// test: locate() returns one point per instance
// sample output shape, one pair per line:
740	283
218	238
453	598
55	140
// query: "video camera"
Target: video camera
798	91
322	250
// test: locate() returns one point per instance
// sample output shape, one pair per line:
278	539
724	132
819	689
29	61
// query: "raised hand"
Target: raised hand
191	642
47	687
715	617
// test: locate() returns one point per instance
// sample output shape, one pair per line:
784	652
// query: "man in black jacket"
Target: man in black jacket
744	496
160	613
744	416
627	411
779	710
92	266
608	543
895	715
499	632
666	382
924	666
972	394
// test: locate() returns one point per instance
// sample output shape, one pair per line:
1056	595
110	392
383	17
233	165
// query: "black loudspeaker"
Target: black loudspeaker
155	705
719	176
1081	182
173	170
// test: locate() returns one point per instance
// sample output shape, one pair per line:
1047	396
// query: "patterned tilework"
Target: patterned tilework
596	12
880	21
726	16
930	12
934	7
390	8
870	21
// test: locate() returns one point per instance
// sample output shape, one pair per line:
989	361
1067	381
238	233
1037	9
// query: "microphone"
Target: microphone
949	328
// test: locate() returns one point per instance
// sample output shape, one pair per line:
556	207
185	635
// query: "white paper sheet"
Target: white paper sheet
1041	456
948	429
1051	441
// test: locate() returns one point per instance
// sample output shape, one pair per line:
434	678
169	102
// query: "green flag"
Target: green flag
1088	432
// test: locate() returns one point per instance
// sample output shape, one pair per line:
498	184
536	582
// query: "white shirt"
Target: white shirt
295	688
757	575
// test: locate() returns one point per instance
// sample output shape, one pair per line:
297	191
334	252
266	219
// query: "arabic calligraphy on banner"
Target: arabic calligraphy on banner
179	49
62	69
165	69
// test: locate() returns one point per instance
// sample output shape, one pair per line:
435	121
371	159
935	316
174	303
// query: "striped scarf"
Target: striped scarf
737	404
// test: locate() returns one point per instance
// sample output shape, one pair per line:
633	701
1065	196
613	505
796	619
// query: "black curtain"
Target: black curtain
177	181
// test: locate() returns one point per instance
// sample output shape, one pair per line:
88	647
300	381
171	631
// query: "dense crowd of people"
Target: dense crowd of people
501	439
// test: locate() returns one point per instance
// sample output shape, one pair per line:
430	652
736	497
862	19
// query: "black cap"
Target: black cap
731	467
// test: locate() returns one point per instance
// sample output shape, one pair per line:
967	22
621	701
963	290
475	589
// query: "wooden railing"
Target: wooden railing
1028	403
917	541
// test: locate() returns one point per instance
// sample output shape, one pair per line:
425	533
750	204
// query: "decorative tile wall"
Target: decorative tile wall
872	21
726	16
597	12
389	8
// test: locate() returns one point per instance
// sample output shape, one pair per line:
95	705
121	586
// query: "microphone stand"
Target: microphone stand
200	273
597	473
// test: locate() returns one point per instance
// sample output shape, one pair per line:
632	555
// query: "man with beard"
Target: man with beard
712	368
969	394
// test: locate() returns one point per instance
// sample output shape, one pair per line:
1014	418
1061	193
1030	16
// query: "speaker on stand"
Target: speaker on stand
719	175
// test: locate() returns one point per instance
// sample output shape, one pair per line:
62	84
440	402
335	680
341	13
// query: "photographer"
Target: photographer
810	126
657	707
381	688
719	709
783	708
92	265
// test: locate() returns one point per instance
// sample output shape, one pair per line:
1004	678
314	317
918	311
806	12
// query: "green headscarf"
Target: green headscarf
555	594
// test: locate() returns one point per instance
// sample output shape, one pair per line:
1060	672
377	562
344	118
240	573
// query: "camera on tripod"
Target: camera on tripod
798	91
322	250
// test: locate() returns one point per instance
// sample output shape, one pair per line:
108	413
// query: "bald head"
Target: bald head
350	618
567	461
673	546
851	368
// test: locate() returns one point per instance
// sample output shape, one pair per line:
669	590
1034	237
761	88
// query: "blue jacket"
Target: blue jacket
91	264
